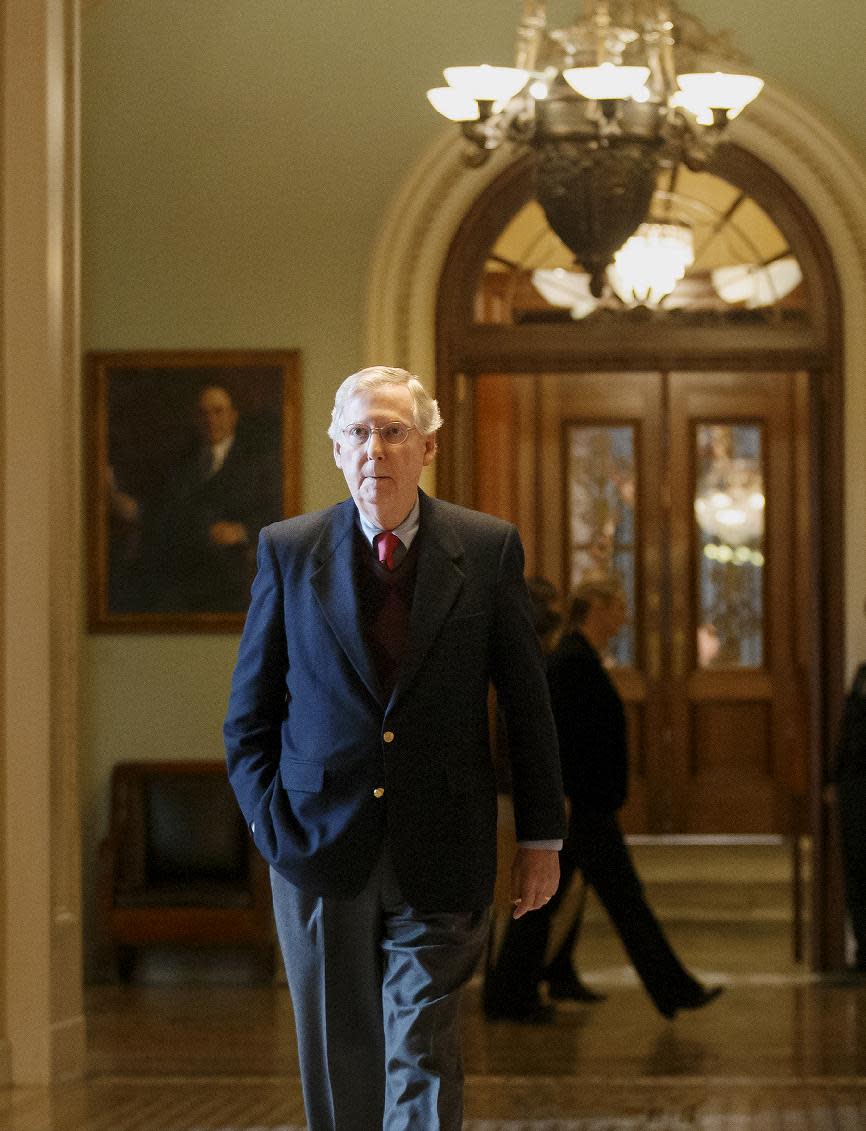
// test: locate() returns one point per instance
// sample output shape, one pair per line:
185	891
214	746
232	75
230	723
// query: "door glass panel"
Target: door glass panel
601	493
729	514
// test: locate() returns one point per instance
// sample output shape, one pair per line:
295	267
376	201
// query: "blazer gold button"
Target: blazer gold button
388	736
378	791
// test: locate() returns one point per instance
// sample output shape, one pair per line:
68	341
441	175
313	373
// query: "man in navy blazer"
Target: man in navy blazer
357	744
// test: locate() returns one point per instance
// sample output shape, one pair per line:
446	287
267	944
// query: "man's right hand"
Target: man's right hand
534	878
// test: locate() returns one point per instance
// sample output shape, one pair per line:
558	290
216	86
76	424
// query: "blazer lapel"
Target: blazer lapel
438	582
333	581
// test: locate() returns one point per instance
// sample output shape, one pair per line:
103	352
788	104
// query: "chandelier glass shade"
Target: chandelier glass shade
609	82
757	285
651	262
604	108
486	83
717	91
644	271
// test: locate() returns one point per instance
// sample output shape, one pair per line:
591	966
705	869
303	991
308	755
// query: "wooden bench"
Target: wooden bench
178	865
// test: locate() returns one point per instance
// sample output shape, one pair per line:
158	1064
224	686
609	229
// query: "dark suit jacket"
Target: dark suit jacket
308	740
184	570
591	724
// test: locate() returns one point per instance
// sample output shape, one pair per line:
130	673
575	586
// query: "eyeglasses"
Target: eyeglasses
358	435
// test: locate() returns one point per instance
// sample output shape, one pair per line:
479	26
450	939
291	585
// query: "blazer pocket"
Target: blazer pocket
302	777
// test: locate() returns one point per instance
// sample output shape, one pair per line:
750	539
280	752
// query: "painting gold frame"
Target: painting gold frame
171	545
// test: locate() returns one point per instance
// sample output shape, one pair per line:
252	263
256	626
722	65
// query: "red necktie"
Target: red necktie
386	543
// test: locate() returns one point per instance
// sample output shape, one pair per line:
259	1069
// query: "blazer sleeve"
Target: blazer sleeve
517	670
258	700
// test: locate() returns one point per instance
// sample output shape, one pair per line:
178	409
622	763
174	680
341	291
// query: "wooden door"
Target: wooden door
735	751
684	484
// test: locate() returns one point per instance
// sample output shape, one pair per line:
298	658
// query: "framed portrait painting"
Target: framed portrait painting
189	455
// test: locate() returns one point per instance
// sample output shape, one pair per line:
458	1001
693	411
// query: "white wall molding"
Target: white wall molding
41	999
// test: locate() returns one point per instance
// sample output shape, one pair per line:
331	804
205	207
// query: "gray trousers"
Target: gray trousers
375	988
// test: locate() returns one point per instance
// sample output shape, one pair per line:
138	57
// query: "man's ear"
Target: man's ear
337	459
429	449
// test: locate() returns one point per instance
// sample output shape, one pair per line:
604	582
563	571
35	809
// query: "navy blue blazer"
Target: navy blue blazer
310	745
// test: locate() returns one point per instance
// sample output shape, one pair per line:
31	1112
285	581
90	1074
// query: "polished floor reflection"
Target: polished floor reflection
781	1049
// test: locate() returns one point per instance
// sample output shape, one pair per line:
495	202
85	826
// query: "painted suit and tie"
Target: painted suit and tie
364	767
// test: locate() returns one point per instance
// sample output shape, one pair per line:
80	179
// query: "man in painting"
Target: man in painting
198	530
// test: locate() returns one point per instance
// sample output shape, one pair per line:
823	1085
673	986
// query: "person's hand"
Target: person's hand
119	502
228	534
534	878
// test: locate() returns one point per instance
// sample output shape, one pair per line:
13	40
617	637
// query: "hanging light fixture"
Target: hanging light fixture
651	262
644	271
604	108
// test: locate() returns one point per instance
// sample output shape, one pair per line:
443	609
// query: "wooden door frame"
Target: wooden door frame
464	349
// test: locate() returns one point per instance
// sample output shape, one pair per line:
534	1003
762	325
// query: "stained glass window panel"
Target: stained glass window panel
602	489
730	506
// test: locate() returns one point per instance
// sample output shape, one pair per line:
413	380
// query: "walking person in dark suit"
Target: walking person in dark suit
591	724
358	747
562	977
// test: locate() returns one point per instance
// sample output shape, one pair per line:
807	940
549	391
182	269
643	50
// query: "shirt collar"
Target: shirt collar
406	531
221	449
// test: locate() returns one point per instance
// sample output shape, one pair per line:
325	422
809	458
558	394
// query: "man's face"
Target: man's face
216	416
383	478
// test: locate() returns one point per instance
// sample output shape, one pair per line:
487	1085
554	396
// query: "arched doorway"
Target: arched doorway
416	241
600	437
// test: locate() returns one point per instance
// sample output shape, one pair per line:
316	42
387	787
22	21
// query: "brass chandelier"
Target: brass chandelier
605	106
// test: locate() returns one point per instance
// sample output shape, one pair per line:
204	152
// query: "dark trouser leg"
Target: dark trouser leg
607	865
333	965
561	965
852	819
375	990
428	958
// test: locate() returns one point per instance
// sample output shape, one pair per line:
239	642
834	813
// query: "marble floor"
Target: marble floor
781	1050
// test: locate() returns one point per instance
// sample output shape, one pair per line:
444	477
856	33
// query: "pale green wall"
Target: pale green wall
238	156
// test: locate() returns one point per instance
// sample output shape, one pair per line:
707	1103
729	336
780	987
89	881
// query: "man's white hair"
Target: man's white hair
425	410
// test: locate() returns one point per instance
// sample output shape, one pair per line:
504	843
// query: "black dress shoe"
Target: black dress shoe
524	1012
571	989
702	996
